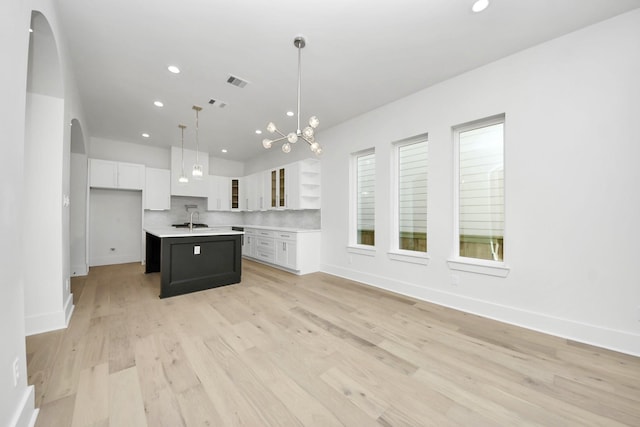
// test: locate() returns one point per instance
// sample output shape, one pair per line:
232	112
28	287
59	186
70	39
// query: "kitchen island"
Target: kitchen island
193	260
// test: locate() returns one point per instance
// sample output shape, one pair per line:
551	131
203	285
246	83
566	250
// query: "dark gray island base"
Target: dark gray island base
193	262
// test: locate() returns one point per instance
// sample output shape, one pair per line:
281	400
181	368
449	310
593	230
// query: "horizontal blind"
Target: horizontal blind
412	188
482	182
366	168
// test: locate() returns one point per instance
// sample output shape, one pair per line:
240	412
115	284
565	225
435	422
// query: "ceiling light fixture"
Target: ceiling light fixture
258	131
197	167
290	113
307	134
173	69
224	150
480	5
158	103
145	135
183	178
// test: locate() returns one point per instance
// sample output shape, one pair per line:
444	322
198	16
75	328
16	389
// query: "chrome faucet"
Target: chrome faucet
191	219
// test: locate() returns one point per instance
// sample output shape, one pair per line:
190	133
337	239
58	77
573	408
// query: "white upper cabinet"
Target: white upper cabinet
157	191
195	187
110	174
254	192
219	193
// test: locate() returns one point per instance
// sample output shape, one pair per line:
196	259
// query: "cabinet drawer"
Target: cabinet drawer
286	235
265	245
267	256
265	233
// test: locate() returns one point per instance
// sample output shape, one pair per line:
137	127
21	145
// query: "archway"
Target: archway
44	213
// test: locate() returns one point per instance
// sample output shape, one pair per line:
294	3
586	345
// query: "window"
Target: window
480	201
364	168
411	194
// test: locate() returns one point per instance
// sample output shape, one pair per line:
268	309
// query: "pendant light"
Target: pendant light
183	178
197	167
307	134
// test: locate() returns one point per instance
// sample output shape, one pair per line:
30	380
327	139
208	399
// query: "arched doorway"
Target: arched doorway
44	212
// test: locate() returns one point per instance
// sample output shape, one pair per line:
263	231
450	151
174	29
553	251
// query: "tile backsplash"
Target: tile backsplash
304	219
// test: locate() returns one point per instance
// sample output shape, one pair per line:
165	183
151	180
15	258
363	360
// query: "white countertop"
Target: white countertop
287	229
185	232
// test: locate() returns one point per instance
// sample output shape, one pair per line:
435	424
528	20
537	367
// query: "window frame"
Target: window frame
353	245
456	261
394	252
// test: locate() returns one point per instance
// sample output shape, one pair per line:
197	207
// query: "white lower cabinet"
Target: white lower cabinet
295	251
286	253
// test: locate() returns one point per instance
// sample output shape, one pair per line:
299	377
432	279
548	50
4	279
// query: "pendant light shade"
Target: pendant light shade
197	171
183	178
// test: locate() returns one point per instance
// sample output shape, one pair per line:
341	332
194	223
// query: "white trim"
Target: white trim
616	340
26	414
353	196
68	309
46	322
473	265
362	250
455	135
395	197
412	257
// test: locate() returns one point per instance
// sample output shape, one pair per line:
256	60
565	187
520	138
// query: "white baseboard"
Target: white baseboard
46	322
110	260
26	413
79	270
616	340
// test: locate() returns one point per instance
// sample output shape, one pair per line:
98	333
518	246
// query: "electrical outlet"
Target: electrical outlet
455	279
16	372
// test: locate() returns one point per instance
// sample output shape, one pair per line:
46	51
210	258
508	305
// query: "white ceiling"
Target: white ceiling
359	55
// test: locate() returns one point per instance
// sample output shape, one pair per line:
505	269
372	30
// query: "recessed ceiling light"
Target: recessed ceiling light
145	135
224	150
31	30
290	113
480	5
258	131
158	103
173	69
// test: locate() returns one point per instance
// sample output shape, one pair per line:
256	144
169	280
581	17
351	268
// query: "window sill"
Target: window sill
362	250
409	256
470	265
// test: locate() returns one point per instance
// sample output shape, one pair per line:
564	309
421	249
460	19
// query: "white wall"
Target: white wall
115	226
16	403
78	215
571	170
108	149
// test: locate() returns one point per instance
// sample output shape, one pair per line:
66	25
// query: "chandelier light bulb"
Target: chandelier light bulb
183	179
314	146
318	150
292	138
197	171
271	127
286	147
307	132
266	143
314	122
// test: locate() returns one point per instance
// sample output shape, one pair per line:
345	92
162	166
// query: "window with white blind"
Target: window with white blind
411	194
480	201
363	202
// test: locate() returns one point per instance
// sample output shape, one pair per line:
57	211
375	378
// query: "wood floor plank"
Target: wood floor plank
92	398
126	407
284	350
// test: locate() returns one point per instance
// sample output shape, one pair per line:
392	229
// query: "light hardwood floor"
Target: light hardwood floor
316	350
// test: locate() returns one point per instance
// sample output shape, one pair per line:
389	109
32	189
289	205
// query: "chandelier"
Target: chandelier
197	167
306	134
